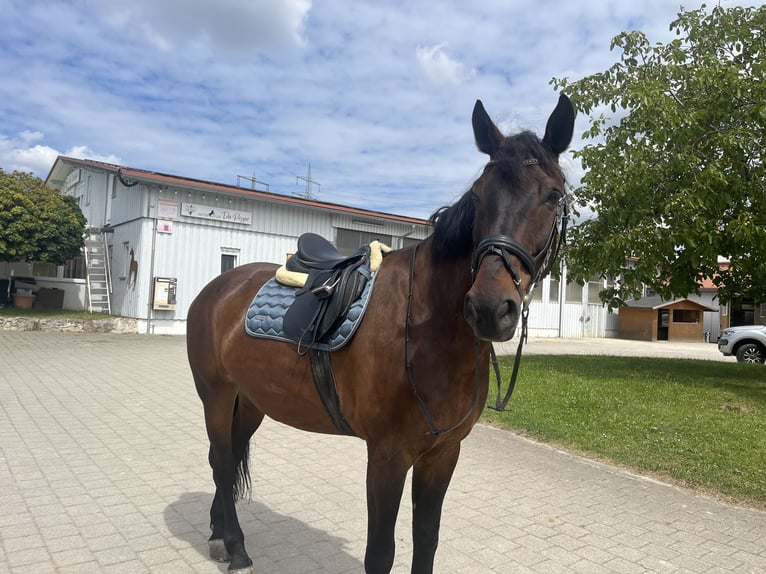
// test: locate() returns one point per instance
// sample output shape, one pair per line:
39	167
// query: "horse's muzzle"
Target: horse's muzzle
491	318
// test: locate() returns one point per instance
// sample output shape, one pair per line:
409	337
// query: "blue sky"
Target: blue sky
376	96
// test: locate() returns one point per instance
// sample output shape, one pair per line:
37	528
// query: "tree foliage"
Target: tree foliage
36	222
674	165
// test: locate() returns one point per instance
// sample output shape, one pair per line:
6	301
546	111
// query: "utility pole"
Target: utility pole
309	182
252	181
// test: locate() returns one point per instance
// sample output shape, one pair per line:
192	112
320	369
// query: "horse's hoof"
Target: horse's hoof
218	550
247	568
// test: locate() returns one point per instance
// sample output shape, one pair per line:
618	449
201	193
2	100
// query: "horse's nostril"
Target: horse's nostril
505	308
469	308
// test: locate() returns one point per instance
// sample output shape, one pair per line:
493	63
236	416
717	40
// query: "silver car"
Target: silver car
747	343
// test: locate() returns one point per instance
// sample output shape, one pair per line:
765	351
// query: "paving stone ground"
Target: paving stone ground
103	468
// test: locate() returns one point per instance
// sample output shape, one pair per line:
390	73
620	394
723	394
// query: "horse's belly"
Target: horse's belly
279	383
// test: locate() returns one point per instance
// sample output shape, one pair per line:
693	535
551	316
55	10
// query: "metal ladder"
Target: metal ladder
98	276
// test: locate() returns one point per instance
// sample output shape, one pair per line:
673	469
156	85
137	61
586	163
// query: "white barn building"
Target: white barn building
164	237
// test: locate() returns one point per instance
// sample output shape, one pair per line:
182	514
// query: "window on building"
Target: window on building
228	262
349	240
724	309
553	292
763	310
229	258
75	268
595	285
686	316
537	292
573	293
43	269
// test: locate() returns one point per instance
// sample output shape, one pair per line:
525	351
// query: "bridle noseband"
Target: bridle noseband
503	246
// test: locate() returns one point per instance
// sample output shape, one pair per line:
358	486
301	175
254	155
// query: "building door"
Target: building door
663	322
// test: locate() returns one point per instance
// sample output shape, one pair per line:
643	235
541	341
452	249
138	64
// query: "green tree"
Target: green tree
674	165
36	222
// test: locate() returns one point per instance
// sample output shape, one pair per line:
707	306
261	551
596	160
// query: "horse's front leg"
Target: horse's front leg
386	473
430	479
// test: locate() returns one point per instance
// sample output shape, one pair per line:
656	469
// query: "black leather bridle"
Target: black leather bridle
538	267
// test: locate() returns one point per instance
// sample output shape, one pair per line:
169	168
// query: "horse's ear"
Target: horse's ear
560	126
488	137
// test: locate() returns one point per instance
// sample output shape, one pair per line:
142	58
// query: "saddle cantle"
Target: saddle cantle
314	253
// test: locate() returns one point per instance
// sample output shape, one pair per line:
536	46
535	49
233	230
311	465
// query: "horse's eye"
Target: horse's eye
555	195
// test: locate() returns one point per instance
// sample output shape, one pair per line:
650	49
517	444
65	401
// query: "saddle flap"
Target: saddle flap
316	312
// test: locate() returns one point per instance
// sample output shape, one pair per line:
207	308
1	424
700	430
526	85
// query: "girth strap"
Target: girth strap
321	369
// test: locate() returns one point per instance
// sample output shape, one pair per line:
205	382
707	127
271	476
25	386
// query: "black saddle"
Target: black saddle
334	282
315	252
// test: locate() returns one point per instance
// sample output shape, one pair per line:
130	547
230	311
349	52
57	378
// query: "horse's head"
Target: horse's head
519	218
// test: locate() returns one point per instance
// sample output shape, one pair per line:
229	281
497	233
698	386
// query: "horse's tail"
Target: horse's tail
241	446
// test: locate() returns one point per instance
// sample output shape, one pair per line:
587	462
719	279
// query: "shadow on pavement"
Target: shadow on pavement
275	542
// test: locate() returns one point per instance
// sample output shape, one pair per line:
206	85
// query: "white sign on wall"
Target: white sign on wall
216	213
167	209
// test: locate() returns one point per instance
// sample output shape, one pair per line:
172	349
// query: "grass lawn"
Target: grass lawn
700	424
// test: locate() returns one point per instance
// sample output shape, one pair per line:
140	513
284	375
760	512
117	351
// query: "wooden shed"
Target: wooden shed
652	319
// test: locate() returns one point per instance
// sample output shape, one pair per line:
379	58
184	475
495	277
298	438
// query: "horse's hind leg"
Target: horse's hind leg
386	473
230	424
430	478
246	421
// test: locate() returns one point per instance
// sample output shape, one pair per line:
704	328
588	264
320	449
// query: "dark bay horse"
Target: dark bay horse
414	379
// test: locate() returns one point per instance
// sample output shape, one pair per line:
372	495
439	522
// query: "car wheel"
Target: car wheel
750	353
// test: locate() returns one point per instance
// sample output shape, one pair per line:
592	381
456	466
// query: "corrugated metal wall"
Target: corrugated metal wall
550	318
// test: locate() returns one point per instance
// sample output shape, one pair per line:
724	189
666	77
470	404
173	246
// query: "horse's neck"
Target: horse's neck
439	290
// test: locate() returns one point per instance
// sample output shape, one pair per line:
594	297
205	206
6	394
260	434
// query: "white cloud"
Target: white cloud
84	152
439	68
16	154
36	159
230	24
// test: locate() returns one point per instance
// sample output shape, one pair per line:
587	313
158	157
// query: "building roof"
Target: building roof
64	165
655	302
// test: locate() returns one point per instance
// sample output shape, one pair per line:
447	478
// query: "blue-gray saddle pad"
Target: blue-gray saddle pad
266	312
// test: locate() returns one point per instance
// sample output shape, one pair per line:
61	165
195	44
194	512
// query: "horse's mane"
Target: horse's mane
453	224
453	228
